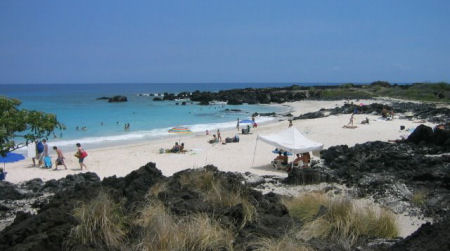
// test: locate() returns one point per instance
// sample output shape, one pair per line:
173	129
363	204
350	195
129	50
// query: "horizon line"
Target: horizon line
275	82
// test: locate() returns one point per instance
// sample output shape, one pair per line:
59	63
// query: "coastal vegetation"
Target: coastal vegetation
419	197
340	219
101	221
21	123
288	242
216	192
161	230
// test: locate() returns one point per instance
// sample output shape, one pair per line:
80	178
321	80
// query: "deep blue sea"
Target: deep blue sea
75	105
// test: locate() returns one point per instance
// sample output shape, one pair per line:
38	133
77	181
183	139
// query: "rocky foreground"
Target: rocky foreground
410	176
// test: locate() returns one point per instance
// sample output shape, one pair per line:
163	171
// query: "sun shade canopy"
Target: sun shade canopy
291	140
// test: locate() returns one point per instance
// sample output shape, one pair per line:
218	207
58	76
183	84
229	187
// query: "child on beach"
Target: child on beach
218	136
60	159
81	155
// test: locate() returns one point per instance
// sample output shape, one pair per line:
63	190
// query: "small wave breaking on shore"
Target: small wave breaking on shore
135	136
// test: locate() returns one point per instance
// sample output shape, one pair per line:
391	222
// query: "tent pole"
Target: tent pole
254	151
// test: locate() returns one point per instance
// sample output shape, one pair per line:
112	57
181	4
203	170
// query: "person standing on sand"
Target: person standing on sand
237	125
290	123
351	120
60	159
44	141
218	135
81	155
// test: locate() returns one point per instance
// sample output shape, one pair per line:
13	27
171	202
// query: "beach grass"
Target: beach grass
343	220
419	197
218	194
164	231
101	222
305	207
285	243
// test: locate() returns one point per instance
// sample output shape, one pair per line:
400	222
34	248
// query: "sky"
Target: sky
169	41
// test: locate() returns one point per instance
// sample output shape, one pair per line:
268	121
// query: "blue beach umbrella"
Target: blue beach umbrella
11	157
246	121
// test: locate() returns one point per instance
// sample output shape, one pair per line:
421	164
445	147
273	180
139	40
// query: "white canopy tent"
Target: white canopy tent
291	140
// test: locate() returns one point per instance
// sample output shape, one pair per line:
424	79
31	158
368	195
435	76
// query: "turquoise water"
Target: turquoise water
76	106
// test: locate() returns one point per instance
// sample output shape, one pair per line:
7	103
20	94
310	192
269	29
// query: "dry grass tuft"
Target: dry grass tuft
419	198
286	243
217	194
163	231
101	222
157	188
305	207
344	221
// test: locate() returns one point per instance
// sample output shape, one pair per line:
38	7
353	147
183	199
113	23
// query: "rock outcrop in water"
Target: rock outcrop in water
114	99
117	99
252	95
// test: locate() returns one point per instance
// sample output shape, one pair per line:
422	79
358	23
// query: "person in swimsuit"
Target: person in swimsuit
80	153
60	159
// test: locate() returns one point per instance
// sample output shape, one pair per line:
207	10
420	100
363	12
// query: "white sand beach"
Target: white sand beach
249	155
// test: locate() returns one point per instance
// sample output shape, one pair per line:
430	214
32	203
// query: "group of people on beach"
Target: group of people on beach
385	113
39	152
281	160
217	138
177	148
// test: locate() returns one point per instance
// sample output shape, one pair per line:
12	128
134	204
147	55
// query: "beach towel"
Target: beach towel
47	162
31	150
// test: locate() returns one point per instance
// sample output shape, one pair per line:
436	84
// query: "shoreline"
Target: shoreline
235	157
155	134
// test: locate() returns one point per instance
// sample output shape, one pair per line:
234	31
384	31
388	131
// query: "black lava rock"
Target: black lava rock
116	99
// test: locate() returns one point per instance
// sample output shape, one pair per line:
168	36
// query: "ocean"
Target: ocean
75	106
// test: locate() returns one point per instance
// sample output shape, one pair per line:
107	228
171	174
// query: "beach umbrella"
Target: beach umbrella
180	130
10	158
246	121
